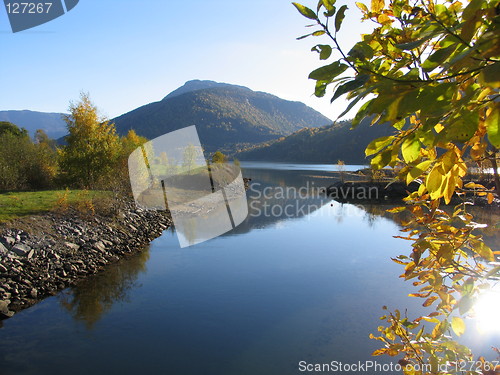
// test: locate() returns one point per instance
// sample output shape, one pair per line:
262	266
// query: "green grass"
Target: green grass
18	204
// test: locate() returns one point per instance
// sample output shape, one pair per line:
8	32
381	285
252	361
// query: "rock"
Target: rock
100	246
4	310
7	241
31	253
3	249
33	293
21	250
72	246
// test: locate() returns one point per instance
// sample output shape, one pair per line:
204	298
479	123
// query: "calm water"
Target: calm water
305	283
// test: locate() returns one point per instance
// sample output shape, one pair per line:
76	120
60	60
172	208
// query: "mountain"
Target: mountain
52	123
226	116
320	145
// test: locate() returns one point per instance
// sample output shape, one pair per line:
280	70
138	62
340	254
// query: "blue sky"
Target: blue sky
129	53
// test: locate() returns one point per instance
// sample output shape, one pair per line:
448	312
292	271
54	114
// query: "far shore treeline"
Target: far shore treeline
93	157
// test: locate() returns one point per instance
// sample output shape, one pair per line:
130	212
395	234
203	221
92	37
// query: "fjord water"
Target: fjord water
303	283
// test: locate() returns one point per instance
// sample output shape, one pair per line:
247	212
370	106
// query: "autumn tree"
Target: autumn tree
219	157
92	148
431	69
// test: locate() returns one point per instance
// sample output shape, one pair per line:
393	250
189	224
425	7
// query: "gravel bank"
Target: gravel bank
42	255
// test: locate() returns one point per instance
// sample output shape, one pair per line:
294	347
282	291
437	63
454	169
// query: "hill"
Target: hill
227	116
52	123
320	145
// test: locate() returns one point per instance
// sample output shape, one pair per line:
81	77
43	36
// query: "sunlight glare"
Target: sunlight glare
487	312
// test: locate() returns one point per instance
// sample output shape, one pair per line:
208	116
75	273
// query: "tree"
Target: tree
189	158
92	149
219	157
10	128
432	70
23	164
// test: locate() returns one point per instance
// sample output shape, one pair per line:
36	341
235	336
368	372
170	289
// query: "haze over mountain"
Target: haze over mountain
226	116
52	123
320	145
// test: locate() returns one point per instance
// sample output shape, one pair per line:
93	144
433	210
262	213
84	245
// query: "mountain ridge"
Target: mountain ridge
227	116
328	144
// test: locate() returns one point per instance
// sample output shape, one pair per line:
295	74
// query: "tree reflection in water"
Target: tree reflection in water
90	299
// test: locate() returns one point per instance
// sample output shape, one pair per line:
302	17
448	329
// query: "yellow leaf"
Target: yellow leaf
438	128
384	19
490	198
429	301
458	326
434	180
377	5
362	7
484	251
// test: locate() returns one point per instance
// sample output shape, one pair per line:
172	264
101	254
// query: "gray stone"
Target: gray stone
9	241
4	310
21	250
72	246
31	253
99	246
3	249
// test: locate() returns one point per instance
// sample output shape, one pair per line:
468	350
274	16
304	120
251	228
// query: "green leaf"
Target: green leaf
493	125
350	86
303	36
329	5
491	75
324	50
340	17
320	88
471	9
410	149
412	45
377	145
318	33
381	160
438	57
418	171
305	11
328	72
458	326
361	51
362	113
349	107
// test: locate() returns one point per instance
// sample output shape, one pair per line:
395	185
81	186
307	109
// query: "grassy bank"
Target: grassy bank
18	204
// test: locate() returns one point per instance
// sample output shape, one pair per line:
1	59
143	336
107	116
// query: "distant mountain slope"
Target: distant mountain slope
321	145
52	123
197	84
226	116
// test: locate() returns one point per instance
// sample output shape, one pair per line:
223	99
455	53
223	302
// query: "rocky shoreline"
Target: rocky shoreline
41	255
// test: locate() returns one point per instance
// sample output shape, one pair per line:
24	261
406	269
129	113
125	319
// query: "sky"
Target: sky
126	53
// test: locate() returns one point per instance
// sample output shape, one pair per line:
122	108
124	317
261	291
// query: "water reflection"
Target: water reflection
90	299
